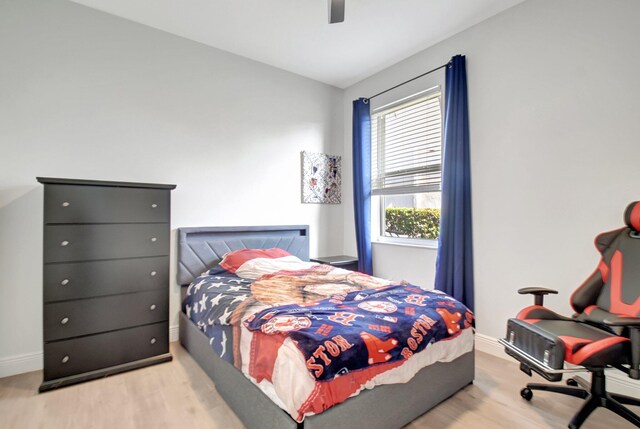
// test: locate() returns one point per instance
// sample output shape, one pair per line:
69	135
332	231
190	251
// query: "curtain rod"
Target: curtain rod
410	80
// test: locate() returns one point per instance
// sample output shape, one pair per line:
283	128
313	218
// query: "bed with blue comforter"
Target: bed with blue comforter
311	336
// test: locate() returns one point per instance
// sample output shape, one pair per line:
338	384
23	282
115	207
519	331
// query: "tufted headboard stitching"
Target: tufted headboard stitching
200	247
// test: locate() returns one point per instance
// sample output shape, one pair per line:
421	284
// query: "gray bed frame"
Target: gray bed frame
387	406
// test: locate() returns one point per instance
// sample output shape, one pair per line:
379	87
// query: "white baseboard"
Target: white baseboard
489	345
619	383
19	364
616	381
173	333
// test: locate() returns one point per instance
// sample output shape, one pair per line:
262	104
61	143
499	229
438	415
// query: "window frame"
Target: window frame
380	213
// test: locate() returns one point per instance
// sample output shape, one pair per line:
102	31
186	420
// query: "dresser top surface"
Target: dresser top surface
61	181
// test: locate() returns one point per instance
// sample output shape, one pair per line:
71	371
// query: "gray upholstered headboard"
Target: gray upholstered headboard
200	247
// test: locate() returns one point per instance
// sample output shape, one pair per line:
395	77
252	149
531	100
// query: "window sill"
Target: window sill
430	245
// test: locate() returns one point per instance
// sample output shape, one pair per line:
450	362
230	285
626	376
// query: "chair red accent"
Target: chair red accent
603	333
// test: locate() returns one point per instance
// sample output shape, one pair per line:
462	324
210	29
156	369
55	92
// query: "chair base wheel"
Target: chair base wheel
526	393
572	382
596	397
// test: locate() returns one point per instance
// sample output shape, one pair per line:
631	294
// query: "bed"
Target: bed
385	406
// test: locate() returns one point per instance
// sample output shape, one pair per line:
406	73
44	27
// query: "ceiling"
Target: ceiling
294	35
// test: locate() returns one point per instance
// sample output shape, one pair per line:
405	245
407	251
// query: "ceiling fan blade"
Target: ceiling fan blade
336	11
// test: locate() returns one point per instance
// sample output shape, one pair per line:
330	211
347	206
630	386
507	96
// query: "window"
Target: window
406	170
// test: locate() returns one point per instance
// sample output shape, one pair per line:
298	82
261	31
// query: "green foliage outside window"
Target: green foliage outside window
412	223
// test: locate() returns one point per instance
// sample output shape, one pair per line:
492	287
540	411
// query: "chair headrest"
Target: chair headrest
632	216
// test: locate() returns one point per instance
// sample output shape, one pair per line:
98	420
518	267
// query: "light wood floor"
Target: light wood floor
180	395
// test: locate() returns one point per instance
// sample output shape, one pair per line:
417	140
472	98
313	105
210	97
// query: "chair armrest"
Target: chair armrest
538	292
633	323
627	322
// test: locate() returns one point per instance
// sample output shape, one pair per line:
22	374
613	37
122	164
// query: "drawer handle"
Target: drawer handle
152	307
65	359
153	273
66	204
153	206
64	321
153	340
64	282
64	243
154	239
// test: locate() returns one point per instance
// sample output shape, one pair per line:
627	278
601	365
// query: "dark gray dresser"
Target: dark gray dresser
105	279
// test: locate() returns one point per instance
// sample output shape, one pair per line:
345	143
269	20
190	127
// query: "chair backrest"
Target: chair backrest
615	286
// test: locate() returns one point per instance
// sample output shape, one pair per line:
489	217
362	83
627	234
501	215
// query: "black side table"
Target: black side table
340	261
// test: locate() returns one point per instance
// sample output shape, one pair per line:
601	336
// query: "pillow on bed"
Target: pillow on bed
254	268
234	259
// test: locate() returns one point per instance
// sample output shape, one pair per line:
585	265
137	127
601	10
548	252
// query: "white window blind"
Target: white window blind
406	148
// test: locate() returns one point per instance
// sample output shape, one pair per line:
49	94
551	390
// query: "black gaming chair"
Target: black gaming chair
604	332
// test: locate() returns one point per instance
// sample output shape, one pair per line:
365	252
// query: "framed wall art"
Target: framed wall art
321	178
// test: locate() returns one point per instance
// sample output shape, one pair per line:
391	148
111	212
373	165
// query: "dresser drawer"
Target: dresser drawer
64	358
101	204
64	243
74	280
89	316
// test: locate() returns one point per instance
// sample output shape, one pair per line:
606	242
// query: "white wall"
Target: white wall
553	92
87	95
